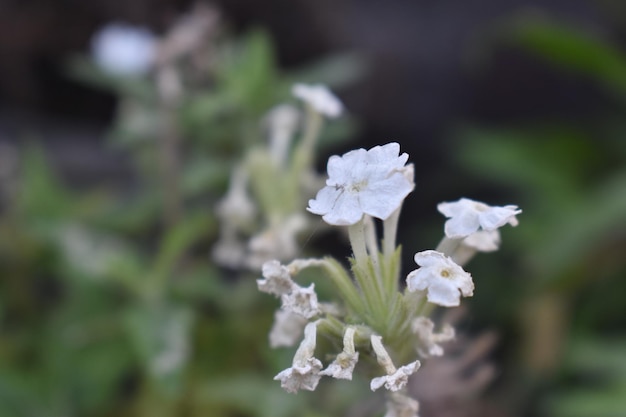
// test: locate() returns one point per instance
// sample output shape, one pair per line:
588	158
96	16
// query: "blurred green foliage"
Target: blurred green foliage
567	299
109	309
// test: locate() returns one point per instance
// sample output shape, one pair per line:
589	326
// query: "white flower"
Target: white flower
122	49
282	122
397	380
444	280
304	372
343	365
229	251
277	279
483	240
428	346
363	182
468	216
302	376
276	242
401	405
237	208
302	301
287	328
319	98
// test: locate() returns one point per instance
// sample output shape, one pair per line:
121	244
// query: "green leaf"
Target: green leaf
574	50
179	239
335	71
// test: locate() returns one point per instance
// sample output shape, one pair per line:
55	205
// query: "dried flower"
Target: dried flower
302	301
277	279
396	379
343	365
304	372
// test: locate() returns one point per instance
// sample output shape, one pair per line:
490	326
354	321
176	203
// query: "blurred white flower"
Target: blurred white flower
282	122
320	98
123	49
362	182
401	405
237	207
277	279
444	280
287	328
304	372
468	216
483	240
428	344
276	242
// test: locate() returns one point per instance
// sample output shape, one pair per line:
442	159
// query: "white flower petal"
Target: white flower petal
324	201
483	240
345	212
468	216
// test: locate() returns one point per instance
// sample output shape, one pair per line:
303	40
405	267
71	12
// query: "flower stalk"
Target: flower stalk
374	316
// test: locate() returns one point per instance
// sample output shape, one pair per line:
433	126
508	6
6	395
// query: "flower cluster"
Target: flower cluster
374	315
262	215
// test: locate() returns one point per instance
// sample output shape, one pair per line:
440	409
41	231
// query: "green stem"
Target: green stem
344	284
356	233
390	230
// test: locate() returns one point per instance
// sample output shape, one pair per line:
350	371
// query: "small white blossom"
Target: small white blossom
397	380
428	345
401	405
320	98
228	251
122	49
303	376
276	242
302	301
343	365
282	122
444	280
483	240
277	279
287	328
304	372
363	182
468	216
237	208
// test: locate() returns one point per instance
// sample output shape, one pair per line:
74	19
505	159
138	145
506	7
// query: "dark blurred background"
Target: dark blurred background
506	101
